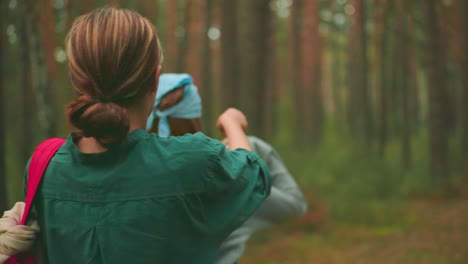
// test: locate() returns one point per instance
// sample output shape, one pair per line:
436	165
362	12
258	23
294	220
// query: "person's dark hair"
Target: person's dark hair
113	56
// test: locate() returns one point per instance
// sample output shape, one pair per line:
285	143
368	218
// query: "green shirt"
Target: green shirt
150	200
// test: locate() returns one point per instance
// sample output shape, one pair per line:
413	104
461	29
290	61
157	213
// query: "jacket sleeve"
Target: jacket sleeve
286	199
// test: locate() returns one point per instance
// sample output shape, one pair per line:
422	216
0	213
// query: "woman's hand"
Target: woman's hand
231	118
232	123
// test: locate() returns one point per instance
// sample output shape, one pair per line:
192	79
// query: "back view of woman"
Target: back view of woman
114	193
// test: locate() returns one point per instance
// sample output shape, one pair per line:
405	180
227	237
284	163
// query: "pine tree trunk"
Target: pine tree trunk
311	73
359	107
438	103
3	151
68	6
116	3
206	87
184	41
365	93
353	76
402	31
49	43
333	42
260	50
86	6
150	10
27	109
273	83
266	62
414	92
171	38
464	66
230	54
296	66
384	80
196	36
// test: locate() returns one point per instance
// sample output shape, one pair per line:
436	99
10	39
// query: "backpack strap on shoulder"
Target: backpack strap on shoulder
37	167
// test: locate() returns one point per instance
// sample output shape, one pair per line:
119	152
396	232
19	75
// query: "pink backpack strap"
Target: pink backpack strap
39	161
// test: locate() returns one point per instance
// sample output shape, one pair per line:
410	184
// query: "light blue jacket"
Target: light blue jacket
285	201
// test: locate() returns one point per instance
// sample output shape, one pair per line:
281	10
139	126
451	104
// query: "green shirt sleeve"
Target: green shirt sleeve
240	181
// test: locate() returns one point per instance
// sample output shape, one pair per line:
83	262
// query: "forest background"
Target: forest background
365	100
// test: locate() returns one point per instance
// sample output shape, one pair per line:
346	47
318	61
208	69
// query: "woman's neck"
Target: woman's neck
137	120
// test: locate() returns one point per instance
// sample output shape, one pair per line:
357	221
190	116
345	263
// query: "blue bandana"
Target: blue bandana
188	108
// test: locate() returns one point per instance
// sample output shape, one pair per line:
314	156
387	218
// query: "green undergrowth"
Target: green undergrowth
356	184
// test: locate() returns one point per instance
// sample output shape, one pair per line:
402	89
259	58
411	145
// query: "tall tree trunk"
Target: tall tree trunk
384	79
40	80
365	93
359	108
402	31
230	53
27	109
74	8
311	73
464	66
296	67
68	7
86	6
48	39
353	74
260	50
3	172
195	36
333	44
206	86
116	3
184	40
273	84
171	37
414	93
150	10
438	97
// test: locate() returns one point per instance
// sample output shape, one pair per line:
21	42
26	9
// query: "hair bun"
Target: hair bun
107	122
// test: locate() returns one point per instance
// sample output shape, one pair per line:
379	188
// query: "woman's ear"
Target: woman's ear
156	82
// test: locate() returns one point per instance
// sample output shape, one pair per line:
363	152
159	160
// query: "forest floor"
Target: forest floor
429	230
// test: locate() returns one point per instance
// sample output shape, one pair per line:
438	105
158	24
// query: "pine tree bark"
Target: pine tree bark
464	66
116	3
384	80
150	9
27	109
3	172
49	43
195	36
273	84
206	88
438	97
366	101
296	18
184	41
311	73
42	93
86	6
413	64
359	107
259	36
171	38
230	53
402	30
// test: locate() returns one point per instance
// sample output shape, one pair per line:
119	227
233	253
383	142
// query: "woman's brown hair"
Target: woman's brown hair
113	57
